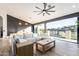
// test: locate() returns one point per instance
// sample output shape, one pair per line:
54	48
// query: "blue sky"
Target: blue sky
61	23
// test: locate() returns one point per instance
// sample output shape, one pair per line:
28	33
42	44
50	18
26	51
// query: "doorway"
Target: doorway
1	27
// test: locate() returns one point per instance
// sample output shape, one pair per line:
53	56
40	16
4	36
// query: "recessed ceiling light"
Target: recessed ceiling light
20	23
26	24
73	6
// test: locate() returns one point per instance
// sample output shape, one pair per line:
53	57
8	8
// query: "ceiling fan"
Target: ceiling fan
45	10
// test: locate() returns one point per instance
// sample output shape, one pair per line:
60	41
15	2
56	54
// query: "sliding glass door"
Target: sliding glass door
65	29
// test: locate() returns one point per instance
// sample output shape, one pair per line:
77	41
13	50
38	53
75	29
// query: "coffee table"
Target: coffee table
45	45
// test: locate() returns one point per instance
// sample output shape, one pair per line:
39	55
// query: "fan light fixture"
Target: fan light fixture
26	24
20	23
46	9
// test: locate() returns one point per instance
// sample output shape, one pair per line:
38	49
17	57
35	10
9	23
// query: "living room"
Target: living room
39	29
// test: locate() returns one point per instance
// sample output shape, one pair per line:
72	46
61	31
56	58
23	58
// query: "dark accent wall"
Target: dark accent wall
13	24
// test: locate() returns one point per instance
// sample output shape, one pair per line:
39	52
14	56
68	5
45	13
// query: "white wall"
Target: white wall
0	21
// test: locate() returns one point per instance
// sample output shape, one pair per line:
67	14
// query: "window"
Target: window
39	28
66	28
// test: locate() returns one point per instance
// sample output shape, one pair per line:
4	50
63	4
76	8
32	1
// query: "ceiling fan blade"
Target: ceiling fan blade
40	13
47	13
51	7
45	4
50	11
36	11
38	8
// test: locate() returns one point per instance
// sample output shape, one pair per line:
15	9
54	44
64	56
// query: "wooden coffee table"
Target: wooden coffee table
45	45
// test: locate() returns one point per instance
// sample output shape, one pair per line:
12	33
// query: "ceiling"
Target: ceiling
25	12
